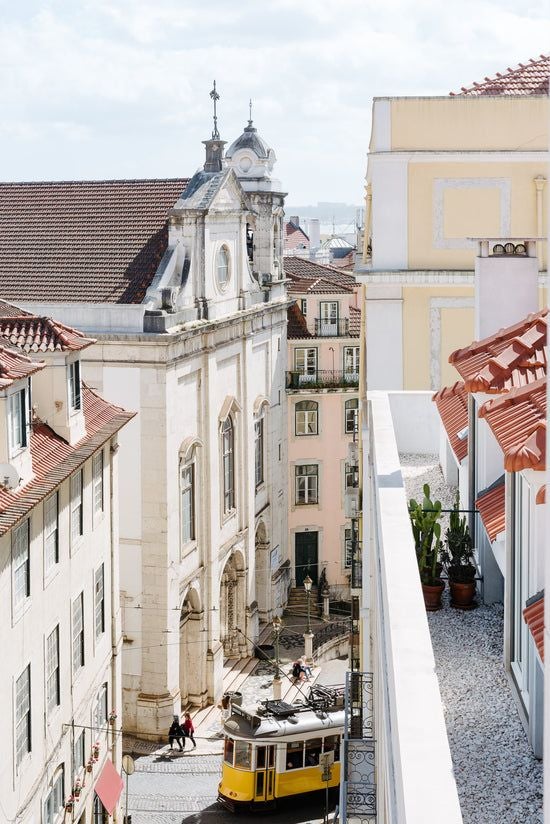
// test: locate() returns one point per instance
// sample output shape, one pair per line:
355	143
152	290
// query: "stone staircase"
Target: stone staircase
297	602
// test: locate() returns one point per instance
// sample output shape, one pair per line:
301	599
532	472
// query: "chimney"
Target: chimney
295	220
314	233
214	154
506	283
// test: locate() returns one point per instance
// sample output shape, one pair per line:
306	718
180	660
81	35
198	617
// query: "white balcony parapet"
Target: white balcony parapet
415	777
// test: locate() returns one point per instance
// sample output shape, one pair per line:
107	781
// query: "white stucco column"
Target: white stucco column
308	646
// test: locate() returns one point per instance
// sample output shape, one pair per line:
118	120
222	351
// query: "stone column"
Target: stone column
308	646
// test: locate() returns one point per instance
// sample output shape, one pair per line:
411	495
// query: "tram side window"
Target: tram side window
228	751
243	755
294	755
332	744
313	751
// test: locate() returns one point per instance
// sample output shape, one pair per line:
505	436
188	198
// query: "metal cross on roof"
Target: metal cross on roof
250	112
215	97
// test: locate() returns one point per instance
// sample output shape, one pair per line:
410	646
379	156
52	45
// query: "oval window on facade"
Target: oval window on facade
222	267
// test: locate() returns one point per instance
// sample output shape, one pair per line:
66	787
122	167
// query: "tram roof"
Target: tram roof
246	723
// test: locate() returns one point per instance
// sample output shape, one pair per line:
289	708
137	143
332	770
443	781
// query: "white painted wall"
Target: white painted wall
416	422
389	179
384	330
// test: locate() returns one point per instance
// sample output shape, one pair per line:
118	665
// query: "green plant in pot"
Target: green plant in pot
458	559
425	521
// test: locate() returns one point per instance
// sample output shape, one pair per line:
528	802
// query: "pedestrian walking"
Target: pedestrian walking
189	729
175	733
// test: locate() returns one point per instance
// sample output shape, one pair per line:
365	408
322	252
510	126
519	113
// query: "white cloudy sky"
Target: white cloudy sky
119	88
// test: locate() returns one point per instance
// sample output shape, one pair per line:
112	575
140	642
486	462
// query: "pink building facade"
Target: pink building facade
322	397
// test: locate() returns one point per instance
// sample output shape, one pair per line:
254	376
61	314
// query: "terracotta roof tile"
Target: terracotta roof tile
9	310
296	268
297	325
14	366
491	506
452	405
533	615
295	237
40	334
518	421
541	495
354	321
53	459
512	357
83	241
526	79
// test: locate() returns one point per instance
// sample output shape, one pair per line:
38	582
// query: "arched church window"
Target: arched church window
228	460
222	266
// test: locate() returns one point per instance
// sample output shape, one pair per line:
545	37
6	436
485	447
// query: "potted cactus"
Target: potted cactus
458	560
425	521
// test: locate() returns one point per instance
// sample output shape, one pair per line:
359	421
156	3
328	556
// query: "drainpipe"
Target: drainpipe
539	182
364	498
116	636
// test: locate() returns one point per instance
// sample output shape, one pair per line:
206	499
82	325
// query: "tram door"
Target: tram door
265	773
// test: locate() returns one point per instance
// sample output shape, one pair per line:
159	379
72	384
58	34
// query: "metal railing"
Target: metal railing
356	565
337	629
338	328
322	379
358	789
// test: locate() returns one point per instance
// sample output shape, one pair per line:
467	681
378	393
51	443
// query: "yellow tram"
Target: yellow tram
275	751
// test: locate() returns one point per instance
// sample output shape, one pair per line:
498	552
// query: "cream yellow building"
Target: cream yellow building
441	171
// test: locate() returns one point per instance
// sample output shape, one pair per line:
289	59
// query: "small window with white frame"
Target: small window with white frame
305	360
21	565
303	306
187	491
99	605
97	482
223	267
259	451
51	532
23	739
351	362
55	799
77	509
17	411
306	418
99	715
53	683
228	460
351	416
306	484
79	752
75	387
78	633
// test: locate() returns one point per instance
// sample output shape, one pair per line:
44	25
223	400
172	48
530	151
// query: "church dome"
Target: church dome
250	140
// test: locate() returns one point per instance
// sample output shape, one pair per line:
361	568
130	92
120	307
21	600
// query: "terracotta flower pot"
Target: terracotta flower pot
462	594
432	595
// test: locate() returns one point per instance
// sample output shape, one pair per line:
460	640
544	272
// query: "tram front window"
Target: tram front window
243	755
313	751
332	744
294	755
228	751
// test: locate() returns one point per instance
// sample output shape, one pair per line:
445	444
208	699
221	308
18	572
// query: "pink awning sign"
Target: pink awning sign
109	786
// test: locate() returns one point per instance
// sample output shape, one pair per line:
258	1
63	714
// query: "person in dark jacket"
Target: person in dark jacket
175	733
188	728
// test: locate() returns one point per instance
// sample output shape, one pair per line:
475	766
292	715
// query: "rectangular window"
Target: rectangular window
100	601
305	360
23	714
259	451
351	419
187	503
51	532
21	569
306	418
303	306
18	420
76	506
78	633
53	805
348	547
79	753
97	482
228	455
351	361
75	397
329	318
52	670
99	716
307	477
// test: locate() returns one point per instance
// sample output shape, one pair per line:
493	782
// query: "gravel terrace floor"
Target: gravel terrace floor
499	780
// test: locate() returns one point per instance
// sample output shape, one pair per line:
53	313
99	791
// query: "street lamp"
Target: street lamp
277	627
307	586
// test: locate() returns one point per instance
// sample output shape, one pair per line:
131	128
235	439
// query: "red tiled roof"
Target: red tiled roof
512	357
354	321
527	79
9	310
295	237
533	615
85	241
541	495
296	268
53	459
14	366
452	405
491	506
297	325
319	286
518	421
39	334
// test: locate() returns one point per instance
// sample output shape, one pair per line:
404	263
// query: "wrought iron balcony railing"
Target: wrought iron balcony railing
322	379
337	328
356	566
358	790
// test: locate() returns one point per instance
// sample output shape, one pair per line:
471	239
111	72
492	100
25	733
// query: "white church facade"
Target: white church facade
181	284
